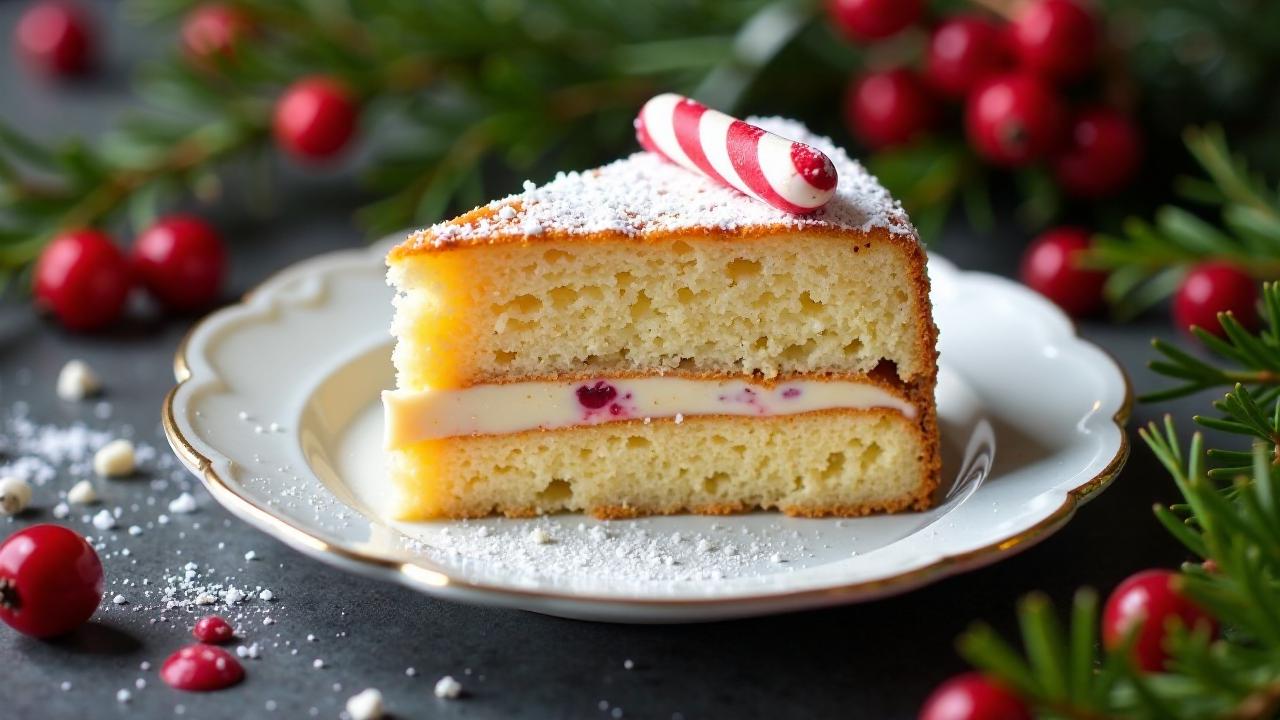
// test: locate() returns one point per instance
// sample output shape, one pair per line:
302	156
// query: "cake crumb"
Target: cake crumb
448	688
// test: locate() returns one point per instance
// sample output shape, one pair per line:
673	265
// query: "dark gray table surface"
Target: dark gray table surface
874	660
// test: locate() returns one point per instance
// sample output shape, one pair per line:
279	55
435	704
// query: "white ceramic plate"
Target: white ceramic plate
277	411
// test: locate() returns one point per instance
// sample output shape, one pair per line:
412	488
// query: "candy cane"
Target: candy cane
788	175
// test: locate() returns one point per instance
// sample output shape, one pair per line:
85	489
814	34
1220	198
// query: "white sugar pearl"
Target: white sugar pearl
448	688
82	493
77	381
15	495
115	459
365	705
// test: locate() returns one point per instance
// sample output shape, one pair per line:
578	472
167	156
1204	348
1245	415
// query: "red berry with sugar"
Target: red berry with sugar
973	696
1216	287
873	19
1050	266
83	279
889	108
181	261
50	580
201	668
1146	604
963	52
212	31
54	38
1055	38
315	118
213	629
1014	119
1101	155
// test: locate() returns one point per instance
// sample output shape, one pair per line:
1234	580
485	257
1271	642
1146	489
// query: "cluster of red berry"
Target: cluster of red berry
81	276
314	118
1008	76
1141	610
51	584
1051	266
84	279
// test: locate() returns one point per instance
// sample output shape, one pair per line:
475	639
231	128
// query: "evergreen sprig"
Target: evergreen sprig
450	92
1150	258
1235	528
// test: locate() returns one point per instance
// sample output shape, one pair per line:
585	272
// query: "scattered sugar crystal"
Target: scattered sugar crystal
104	520
61	510
365	705
123	695
679	418
115	459
82	493
66	685
274	427
77	381
233	596
775	558
183	504
268	621
206	599
134	530
317	663
266	595
119	600
251	555
140	683
628	664
539	536
506	212
448	688
410	672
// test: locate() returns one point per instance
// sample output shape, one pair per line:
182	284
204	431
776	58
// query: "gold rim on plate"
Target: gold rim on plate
422	573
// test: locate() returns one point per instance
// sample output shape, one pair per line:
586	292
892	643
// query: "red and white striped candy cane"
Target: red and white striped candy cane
788	175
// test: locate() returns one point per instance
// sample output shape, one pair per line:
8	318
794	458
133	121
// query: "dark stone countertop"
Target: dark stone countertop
875	660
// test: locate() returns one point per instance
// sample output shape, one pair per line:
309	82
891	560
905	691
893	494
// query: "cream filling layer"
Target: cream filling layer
498	409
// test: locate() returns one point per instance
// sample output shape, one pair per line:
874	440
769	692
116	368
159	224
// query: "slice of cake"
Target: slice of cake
637	339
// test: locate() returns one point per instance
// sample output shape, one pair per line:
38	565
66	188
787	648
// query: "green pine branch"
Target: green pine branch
1148	259
1065	672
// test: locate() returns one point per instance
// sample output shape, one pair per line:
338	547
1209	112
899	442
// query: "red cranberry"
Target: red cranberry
212	30
1102	154
873	19
50	580
201	668
213	629
54	38
972	696
890	108
1055	38
1014	119
1212	288
83	279
315	118
1148	599
181	261
1050	267
962	53
594	397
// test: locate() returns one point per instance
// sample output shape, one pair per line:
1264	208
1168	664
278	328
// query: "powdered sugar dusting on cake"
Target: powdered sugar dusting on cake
644	194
